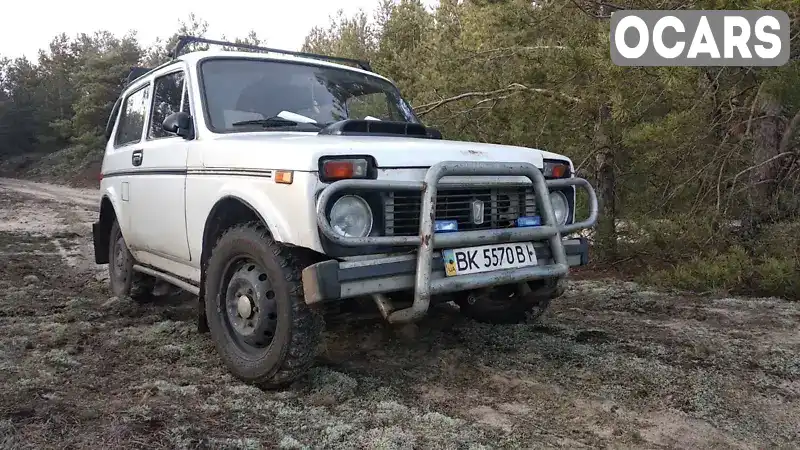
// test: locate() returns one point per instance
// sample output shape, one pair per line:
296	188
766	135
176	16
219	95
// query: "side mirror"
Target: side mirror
434	133
179	123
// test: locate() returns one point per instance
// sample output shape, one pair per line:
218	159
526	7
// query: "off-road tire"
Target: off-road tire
123	280
510	304
298	330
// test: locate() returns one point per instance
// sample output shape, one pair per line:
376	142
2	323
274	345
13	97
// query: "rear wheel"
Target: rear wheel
510	303
259	322
123	280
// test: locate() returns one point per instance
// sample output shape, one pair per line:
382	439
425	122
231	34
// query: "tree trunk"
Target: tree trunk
767	136
606	185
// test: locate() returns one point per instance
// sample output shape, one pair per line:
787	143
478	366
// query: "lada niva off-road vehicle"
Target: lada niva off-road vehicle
273	184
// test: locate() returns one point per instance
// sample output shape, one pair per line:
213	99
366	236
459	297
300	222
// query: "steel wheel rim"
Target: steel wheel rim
247	306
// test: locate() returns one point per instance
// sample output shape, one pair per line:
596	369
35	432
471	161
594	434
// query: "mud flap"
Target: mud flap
100	238
202	321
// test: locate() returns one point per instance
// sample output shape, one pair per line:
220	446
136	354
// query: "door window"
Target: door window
166	100
132	117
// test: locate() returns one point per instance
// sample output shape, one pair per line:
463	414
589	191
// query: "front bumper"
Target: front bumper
333	280
423	271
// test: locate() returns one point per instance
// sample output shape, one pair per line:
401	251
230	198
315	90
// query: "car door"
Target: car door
157	196
118	168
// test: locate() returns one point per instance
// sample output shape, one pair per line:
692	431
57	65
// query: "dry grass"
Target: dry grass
612	364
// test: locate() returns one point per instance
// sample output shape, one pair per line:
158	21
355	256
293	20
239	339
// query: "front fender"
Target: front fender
259	201
286	209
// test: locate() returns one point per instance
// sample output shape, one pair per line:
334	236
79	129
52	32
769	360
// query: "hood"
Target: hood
301	151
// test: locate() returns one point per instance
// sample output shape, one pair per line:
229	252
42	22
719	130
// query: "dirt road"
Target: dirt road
611	365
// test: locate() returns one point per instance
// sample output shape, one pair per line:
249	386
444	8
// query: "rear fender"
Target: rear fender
110	210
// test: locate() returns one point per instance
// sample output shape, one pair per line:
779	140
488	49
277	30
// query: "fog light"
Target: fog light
529	221
445	226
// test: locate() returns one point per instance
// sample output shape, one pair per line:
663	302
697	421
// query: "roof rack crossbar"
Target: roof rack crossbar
183	41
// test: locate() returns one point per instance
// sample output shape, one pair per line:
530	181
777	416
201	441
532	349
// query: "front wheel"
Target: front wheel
510	303
260	324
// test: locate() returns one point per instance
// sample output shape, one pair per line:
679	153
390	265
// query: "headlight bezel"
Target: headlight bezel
562	198
363	202
556	169
376	204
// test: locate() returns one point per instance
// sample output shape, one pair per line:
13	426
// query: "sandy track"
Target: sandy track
611	365
86	198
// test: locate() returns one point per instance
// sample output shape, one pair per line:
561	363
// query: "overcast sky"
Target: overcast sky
29	25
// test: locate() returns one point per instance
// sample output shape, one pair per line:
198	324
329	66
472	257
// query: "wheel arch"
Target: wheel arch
228	211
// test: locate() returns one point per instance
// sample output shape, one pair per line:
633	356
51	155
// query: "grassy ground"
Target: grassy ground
611	365
73	166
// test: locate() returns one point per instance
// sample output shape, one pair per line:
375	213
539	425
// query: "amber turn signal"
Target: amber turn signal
556	169
284	176
338	169
559	171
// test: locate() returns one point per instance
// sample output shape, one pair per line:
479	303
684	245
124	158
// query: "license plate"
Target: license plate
463	261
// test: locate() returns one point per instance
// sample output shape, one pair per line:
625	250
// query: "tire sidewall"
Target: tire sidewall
120	288
499	310
247	242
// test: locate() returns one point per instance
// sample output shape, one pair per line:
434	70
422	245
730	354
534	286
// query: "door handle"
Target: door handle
136	157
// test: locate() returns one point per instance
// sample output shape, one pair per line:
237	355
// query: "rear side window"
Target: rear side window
132	117
166	100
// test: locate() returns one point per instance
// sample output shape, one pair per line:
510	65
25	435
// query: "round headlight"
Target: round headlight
560	206
351	216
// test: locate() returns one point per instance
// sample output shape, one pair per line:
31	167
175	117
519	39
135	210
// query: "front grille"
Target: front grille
501	208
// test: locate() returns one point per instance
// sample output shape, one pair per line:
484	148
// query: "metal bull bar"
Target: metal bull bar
427	240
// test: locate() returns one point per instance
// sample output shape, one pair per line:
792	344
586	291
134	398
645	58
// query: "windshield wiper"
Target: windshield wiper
275	122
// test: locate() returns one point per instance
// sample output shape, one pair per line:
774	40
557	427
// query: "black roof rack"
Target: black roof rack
183	41
136	73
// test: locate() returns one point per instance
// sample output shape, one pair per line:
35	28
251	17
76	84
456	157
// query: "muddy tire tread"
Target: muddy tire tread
140	286
307	325
511	312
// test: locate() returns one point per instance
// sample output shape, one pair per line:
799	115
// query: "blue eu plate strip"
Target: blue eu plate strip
529	221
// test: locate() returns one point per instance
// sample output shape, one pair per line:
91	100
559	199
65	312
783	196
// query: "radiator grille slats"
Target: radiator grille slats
501	208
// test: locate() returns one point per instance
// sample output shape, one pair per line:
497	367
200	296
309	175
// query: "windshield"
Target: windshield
248	94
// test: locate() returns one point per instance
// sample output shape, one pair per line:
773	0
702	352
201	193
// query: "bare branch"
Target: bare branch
753	110
590	13
586	159
762	163
514	87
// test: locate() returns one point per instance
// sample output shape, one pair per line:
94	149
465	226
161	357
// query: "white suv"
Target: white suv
275	185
